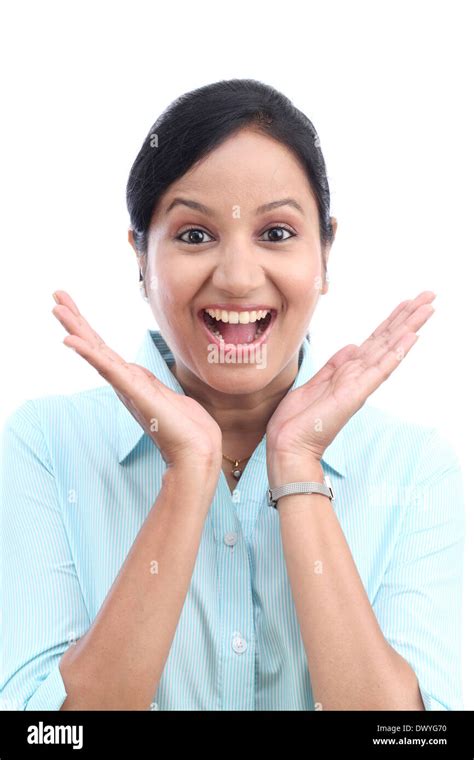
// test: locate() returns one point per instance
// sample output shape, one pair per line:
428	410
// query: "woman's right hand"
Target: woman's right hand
180	427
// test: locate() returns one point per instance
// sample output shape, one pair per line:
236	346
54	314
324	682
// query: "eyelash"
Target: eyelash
273	227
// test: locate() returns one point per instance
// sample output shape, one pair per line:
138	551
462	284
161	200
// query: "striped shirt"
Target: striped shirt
78	477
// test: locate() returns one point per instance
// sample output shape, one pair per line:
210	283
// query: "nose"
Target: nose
238	270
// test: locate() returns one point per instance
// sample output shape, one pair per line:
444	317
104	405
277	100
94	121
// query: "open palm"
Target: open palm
308	419
179	426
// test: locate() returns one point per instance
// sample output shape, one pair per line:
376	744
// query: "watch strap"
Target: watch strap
304	487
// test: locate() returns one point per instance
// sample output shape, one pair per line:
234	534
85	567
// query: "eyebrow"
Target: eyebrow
260	210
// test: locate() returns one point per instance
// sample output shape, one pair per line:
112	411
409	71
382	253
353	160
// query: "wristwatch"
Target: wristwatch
307	487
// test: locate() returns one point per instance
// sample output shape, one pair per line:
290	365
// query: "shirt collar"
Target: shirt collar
155	354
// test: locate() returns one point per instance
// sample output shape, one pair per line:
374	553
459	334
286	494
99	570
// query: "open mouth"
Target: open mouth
253	330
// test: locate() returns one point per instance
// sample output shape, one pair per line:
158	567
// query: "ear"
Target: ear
139	256
327	251
130	238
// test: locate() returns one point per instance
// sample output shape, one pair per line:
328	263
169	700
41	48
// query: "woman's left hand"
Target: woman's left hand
308	419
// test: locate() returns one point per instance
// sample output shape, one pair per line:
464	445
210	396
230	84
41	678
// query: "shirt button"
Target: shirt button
239	645
230	538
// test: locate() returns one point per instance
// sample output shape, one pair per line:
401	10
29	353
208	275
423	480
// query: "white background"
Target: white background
388	86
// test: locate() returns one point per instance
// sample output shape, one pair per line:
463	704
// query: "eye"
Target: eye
195	237
196	234
278	237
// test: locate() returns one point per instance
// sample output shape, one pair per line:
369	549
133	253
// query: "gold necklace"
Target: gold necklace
236	471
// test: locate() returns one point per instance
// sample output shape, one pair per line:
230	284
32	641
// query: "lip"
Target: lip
239	307
240	346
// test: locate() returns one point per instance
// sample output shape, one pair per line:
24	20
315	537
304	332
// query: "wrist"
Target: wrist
201	474
207	461
294	469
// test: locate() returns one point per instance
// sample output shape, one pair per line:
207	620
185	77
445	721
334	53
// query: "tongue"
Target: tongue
238	333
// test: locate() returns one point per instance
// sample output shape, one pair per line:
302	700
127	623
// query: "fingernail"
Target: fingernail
55	297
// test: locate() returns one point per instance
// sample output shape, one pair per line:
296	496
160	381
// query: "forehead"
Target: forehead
247	169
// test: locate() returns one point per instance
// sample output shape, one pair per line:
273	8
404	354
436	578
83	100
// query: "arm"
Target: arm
419	602
351	664
41	599
118	664
119	659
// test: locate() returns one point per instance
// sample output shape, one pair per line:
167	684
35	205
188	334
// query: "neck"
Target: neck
240	416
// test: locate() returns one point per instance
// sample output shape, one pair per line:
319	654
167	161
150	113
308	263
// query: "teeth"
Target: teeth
237	317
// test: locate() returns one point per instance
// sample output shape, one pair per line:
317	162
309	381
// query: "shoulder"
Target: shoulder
63	418
384	441
397	464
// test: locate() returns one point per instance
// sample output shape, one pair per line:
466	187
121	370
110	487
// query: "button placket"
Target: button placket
230	539
239	644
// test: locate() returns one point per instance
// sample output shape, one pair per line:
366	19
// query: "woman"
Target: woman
146	563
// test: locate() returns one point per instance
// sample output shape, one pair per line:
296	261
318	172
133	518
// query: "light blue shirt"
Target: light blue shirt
78	478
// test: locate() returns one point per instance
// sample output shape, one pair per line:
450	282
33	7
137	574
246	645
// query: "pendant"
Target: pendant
236	472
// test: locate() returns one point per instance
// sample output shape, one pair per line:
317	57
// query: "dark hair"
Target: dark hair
200	120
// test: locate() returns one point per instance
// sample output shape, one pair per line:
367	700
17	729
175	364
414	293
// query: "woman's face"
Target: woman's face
233	258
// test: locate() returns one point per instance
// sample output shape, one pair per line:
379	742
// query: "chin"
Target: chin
237	378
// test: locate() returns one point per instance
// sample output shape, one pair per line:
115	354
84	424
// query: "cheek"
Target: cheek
170	287
171	302
301	286
309	278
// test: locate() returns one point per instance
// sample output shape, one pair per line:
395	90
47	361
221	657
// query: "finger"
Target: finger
425	297
376	374
406	317
70	317
365	382
62	297
78	326
383	325
116	372
127	379
412	324
404	309
340	357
